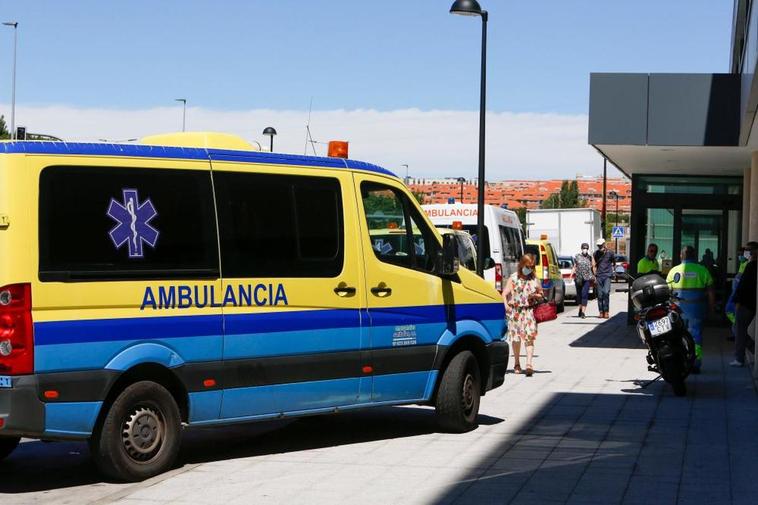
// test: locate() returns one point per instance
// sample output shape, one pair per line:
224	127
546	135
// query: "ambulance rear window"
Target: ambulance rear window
102	223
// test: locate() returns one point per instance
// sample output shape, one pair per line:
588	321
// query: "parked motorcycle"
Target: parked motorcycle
671	349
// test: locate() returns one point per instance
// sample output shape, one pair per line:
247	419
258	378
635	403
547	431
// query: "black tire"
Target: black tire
560	307
679	387
459	393
140	434
7	446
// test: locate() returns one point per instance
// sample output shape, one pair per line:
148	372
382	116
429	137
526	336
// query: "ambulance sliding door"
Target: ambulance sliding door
291	270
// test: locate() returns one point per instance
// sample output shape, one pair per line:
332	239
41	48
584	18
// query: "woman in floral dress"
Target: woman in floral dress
521	293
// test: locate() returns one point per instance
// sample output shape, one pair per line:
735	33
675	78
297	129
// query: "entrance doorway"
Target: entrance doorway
704	212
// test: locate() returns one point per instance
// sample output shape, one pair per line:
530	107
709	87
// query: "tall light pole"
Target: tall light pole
406	172
14	25
184	111
614	194
605	180
472	8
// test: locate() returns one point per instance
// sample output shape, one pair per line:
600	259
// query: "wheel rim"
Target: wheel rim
143	433
469	393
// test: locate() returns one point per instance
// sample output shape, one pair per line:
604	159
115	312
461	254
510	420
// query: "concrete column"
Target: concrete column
751	189
752	184
746	202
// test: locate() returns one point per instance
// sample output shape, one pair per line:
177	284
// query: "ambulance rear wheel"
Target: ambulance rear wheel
458	395
7	446
140	434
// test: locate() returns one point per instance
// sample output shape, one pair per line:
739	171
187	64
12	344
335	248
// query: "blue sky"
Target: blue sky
398	79
384	55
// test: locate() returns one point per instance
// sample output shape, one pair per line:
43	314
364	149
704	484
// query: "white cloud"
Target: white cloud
435	143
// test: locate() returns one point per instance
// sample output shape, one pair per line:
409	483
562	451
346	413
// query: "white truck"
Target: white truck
566	229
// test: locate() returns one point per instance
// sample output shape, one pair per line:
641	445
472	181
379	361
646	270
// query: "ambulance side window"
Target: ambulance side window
398	234
112	223
279	225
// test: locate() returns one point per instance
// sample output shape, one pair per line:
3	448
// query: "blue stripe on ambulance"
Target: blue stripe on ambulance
91	344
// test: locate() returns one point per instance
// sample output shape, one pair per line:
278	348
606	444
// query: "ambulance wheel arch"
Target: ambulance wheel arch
468	342
152	372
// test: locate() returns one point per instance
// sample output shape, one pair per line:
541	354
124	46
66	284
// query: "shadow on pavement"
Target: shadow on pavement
40	466
641	448
612	333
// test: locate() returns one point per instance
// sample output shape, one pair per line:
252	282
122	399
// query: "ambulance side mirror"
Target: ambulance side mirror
447	257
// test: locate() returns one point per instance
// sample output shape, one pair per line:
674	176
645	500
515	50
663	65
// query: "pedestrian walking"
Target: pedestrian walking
744	303
522	291
584	265
692	284
604	264
649	263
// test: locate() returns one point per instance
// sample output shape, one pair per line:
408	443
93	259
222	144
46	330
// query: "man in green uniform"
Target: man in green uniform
693	286
649	263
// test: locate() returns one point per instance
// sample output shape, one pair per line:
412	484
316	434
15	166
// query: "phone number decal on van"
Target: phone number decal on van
404	335
241	295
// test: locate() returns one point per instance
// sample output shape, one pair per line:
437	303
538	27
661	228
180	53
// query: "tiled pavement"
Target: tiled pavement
582	430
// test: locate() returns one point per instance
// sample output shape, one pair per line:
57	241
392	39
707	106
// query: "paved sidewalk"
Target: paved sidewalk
582	430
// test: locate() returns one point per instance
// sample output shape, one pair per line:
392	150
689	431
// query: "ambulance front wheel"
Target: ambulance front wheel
140	434
7	446
458	395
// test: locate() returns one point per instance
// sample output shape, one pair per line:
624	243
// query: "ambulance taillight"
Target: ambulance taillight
499	277
16	330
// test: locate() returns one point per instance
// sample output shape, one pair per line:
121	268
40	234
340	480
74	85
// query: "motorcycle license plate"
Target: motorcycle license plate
659	327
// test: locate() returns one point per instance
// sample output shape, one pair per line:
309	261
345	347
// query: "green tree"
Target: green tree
4	133
566	198
521	213
610	222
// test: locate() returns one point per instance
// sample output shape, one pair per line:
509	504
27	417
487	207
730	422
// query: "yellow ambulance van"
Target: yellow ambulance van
190	280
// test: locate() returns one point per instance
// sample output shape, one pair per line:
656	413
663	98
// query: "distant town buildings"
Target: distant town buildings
524	193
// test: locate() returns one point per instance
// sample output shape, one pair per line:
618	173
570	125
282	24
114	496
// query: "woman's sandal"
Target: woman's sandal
529	371
517	369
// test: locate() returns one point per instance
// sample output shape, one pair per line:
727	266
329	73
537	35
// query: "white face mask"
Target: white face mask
526	271
748	255
585	251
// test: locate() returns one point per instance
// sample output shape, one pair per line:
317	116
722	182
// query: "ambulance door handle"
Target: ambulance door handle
344	290
381	290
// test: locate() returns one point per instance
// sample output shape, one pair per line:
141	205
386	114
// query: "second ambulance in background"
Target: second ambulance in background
503	240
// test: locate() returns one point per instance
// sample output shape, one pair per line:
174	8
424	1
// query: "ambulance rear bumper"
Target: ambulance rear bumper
21	411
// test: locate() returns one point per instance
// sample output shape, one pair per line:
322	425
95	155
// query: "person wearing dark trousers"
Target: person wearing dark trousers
744	301
604	263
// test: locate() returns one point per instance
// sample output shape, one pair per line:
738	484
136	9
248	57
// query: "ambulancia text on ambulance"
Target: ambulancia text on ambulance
191	280
503	238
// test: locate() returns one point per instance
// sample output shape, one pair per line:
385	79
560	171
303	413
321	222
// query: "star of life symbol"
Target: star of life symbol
133	223
382	247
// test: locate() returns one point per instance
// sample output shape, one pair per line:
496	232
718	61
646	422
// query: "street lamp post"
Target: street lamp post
461	181
14	25
605	179
614	194
184	111
270	132
406	173
472	8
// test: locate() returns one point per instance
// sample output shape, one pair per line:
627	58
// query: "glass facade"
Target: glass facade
677	211
659	230
691	185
